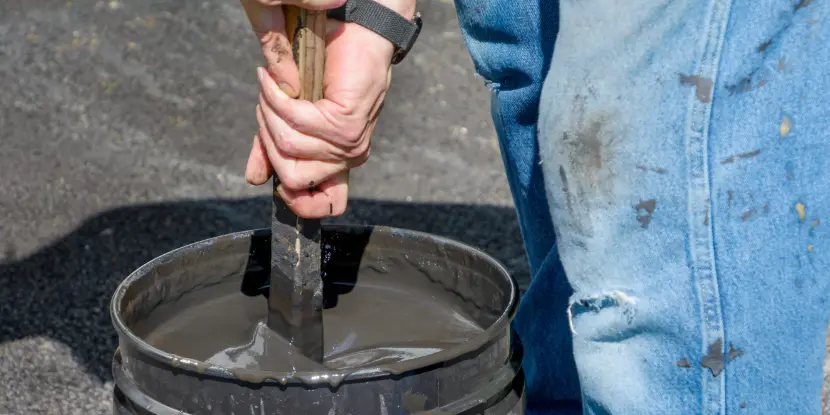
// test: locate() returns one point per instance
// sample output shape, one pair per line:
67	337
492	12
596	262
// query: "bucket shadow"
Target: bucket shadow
62	291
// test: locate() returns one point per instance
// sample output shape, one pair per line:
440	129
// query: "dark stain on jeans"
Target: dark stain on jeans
657	170
747	215
584	139
788	170
747	155
703	86
744	85
734	353
645	211
708	213
801	4
588	147
592	147
714	359
565	188
684	363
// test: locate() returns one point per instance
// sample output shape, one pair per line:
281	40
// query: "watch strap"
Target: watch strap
382	20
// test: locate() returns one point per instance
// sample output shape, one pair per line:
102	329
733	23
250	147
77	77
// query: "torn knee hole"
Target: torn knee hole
617	300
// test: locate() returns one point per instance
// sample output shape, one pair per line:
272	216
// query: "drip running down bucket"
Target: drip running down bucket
441	342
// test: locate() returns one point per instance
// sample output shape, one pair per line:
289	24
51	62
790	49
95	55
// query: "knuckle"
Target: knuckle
291	182
290	122
265	36
362	151
287	143
290	179
352	136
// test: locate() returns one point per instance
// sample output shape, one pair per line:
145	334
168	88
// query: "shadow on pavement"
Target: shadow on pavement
63	290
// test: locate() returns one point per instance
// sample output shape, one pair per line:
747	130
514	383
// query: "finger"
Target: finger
329	199
370	129
268	23
267	143
300	174
258	170
337	124
306	4
294	143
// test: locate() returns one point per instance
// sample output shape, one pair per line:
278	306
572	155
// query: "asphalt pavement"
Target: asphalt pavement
124	131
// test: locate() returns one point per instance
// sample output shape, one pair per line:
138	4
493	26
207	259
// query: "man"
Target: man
671	203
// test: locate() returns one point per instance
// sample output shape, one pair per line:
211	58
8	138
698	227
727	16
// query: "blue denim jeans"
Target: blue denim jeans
668	161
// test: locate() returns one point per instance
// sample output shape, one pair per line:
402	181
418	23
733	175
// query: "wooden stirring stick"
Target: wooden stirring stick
295	302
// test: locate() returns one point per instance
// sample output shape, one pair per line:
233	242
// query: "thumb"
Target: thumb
268	22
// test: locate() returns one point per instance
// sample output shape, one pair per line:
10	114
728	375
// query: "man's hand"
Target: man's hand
312	146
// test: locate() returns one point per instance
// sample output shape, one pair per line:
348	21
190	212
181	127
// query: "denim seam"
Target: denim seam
701	252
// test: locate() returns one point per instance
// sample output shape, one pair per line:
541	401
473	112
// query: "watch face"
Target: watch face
400	53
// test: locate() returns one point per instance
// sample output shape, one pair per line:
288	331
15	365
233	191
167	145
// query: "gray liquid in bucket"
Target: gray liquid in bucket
382	320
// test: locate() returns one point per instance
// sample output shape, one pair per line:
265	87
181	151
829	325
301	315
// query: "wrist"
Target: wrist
388	27
405	8
372	46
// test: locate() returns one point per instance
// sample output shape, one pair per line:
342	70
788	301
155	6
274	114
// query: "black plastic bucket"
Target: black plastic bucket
482	375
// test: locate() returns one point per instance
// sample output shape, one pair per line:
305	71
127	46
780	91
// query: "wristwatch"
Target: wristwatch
382	20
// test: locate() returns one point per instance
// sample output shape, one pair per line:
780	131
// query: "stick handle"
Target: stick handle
296	293
307	33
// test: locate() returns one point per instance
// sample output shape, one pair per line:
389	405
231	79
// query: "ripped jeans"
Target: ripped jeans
669	165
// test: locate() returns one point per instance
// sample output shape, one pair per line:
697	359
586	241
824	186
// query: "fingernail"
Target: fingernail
287	89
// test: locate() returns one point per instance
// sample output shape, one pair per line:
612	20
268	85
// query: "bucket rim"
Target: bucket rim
332	377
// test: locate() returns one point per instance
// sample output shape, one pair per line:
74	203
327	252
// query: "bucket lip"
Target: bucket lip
333	376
